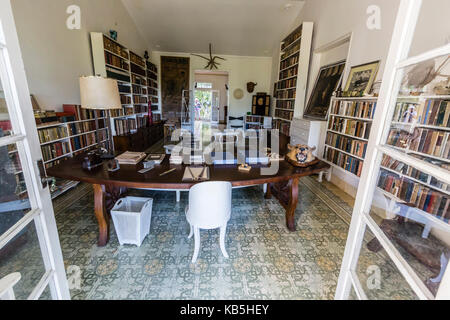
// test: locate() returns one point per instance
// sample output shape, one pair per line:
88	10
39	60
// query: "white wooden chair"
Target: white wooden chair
6	286
209	208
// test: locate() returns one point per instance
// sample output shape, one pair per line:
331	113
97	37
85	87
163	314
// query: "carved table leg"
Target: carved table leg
105	197
287	194
101	214
268	194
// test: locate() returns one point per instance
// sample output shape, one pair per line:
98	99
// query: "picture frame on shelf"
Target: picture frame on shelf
328	81
362	77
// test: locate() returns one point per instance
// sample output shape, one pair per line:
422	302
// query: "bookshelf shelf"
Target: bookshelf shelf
138	75
342	149
289	98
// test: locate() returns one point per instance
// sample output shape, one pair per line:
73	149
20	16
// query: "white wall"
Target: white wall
54	56
241	70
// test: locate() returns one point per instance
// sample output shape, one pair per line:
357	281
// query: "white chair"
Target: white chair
6	286
235	123
209	208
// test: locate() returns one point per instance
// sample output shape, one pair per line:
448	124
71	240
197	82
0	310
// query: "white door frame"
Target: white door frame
25	136
397	58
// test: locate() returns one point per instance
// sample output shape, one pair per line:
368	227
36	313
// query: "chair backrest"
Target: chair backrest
6	286
209	204
235	122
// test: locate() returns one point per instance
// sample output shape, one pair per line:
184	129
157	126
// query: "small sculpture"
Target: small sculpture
113	34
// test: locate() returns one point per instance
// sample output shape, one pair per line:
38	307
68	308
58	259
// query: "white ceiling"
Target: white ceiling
234	27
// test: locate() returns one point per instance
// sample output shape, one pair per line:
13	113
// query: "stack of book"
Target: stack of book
131	157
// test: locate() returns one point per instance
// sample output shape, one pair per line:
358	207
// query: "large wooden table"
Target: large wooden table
110	186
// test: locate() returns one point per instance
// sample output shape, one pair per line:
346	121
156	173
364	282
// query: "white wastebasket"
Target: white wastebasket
132	217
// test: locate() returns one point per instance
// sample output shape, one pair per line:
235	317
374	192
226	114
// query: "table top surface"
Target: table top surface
128	175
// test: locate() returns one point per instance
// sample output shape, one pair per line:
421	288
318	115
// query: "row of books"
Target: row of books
115	61
142	122
288	115
357	109
140	100
286	94
294	36
83	141
283	126
153	76
154	100
152	91
152	67
285	104
353	146
125	99
400	167
124	89
424	198
138	80
432	142
118	113
137	89
137	60
356	128
140	109
125	126
81	127
289	83
291	72
50	134
115	47
82	114
255	119
289	62
292	49
55	150
137	70
434	112
344	161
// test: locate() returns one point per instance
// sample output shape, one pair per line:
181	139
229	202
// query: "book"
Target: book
131	157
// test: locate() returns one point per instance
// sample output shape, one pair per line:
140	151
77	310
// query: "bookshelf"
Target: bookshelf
258	122
68	136
290	89
137	79
420	128
348	130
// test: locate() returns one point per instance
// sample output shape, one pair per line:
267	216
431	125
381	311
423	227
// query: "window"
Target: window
204	85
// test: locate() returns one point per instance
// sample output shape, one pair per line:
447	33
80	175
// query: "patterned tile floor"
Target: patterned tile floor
266	260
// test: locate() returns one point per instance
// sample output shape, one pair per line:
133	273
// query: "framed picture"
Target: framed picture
362	77
328	80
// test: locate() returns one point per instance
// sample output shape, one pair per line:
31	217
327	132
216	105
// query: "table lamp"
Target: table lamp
98	93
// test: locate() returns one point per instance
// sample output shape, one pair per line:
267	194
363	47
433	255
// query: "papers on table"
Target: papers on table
196	174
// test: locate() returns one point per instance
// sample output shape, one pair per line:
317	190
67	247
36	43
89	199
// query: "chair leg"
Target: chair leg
223	231
197	244
191	232
178	193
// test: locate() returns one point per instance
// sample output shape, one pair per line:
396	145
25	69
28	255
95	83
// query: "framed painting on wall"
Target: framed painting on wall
174	79
361	78
328	80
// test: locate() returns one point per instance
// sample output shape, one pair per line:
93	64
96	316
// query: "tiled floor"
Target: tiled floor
266	260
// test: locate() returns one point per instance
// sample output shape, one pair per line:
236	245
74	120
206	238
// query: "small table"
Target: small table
110	186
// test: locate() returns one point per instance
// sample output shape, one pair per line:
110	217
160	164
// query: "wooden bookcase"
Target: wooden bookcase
137	79
257	122
290	89
348	130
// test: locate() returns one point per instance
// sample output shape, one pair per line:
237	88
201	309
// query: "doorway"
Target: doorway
211	95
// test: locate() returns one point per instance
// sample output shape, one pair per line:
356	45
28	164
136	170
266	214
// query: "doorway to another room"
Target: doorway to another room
210	96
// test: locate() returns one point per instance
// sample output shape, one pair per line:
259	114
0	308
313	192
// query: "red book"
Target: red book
73	109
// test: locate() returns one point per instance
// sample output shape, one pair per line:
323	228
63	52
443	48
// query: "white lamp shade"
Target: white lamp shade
99	93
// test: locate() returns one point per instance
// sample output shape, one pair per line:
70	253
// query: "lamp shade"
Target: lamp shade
99	93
